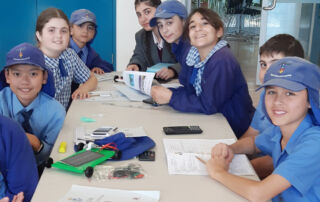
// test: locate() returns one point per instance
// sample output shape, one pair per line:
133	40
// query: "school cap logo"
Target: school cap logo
280	73
20	55
281	69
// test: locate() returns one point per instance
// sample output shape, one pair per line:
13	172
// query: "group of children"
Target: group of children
284	127
35	91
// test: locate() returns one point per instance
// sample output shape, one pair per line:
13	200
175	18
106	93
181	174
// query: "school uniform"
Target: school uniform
90	57
66	68
46	119
17	163
298	162
145	46
224	90
2	187
260	121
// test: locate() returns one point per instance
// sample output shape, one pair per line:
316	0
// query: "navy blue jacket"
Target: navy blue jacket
94	60
224	90
17	162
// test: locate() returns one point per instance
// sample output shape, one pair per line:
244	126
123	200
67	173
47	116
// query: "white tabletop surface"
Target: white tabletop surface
55	183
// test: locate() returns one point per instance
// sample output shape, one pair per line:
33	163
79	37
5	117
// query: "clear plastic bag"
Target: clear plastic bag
130	171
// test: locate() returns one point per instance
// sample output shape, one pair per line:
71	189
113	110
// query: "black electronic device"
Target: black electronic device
147	156
180	130
150	101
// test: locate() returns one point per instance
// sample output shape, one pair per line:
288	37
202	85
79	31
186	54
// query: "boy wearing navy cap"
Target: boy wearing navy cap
27	96
83	31
18	169
291	102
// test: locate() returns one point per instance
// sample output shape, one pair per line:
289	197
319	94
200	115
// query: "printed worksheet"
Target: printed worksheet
79	193
182	153
141	81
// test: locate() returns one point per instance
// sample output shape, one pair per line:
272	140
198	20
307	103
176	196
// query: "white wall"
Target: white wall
127	26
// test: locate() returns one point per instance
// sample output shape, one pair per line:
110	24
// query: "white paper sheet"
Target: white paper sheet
141	81
181	157
105	76
130	93
105	96
79	193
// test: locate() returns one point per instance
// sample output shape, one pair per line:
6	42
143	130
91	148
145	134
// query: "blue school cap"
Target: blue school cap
81	16
296	74
28	54
169	9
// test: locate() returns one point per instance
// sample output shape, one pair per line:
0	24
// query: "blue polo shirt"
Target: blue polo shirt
46	120
17	162
260	121
299	162
84	50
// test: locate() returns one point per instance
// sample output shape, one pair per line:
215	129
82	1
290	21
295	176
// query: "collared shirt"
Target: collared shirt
46	120
2	187
76	71
260	121
298	162
157	42
17	162
84	50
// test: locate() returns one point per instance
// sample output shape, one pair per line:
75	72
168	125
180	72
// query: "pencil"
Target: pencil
201	160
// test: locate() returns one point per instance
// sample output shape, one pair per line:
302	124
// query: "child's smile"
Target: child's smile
25	82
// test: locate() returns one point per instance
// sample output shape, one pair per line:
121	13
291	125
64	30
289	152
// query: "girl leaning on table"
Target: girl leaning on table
150	47
53	34
212	78
291	102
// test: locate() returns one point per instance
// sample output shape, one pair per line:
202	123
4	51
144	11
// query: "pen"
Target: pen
201	160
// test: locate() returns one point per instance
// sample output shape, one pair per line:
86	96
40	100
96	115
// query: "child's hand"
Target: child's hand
34	141
18	198
81	93
132	68
217	165
165	73
97	70
161	95
222	150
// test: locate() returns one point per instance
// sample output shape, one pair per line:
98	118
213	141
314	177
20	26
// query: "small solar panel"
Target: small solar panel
82	158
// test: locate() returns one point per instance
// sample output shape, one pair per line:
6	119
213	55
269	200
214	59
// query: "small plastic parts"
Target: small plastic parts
130	171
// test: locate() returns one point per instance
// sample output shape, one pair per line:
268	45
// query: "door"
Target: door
299	18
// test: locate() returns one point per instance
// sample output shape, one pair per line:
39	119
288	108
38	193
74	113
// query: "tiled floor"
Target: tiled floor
246	51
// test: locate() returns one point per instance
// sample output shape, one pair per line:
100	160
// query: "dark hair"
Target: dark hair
152	3
46	15
282	43
212	17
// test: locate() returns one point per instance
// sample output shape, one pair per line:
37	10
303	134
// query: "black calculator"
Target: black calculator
147	156
180	130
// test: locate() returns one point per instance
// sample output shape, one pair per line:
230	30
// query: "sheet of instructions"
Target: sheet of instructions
79	193
181	157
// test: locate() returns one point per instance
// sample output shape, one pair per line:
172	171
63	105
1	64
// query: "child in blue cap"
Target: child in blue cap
211	76
83	31
170	18
291	102
150	48
275	48
27	96
18	170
